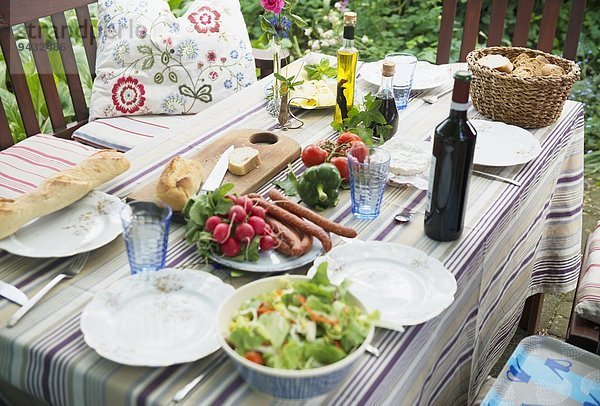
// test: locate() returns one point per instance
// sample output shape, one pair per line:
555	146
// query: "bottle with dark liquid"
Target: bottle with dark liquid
386	95
347	57
451	165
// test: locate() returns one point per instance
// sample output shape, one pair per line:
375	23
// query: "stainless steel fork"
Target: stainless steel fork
74	267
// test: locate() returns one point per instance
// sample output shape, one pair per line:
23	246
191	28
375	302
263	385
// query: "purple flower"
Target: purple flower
282	26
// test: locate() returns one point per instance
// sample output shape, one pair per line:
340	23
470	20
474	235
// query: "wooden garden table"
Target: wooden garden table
518	241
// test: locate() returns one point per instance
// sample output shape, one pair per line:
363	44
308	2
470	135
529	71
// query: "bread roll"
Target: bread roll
550	69
60	190
521	59
179	181
524	71
498	62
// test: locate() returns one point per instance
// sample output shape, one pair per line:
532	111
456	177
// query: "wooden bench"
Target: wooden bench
14	12
581	332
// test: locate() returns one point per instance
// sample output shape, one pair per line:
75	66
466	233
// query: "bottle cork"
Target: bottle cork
389	68
349	18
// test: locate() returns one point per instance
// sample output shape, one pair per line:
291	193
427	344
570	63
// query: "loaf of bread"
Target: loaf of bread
179	181
60	190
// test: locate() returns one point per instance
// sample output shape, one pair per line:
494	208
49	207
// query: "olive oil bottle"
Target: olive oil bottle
347	57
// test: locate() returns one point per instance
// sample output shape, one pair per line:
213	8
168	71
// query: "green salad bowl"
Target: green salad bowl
284	383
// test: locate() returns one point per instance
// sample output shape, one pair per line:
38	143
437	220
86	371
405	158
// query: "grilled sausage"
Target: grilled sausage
280	200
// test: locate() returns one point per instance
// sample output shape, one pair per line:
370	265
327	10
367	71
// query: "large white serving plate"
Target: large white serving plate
272	261
156	319
87	224
406	285
500	144
427	75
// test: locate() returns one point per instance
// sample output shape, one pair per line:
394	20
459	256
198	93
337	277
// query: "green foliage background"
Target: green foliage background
383	25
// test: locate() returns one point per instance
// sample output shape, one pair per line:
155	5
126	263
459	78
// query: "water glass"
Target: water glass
367	181
146	232
403	78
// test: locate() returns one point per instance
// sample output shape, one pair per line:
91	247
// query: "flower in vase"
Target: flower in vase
282	26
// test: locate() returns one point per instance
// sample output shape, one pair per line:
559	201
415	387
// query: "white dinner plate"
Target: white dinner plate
87	224
500	144
272	261
156	319
406	285
427	75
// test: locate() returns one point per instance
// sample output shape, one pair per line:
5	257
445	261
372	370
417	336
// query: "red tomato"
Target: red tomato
313	155
348	137
255	356
360	151
341	163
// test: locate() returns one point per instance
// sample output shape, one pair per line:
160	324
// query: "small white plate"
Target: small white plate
427	75
500	144
87	224
406	285
156	319
272	261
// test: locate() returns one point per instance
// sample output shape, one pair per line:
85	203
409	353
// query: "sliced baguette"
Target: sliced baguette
243	160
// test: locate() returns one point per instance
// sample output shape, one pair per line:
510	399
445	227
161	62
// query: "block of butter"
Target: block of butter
243	160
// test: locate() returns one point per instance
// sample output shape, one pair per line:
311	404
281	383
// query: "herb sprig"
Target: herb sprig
360	120
321	70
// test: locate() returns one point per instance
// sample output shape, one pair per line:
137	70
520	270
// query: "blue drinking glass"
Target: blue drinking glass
367	182
403	78
146	233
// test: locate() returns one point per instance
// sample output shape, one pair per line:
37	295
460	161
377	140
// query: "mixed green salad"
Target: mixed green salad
301	325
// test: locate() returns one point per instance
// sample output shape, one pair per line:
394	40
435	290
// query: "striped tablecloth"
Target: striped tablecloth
517	241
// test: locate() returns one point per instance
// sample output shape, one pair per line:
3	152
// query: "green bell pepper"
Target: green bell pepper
318	186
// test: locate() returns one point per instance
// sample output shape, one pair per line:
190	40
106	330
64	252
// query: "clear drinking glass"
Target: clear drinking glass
403	78
146	232
367	181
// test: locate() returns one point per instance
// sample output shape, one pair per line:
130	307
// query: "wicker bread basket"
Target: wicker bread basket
528	102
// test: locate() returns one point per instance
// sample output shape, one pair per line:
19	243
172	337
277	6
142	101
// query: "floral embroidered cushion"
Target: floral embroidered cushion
150	62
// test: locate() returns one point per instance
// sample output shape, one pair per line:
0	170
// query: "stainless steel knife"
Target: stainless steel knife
12	293
216	176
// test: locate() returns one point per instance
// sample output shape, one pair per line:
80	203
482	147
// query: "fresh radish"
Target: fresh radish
221	233
244	232
231	197
245	202
237	214
259	211
211	223
230	248
258	224
266	242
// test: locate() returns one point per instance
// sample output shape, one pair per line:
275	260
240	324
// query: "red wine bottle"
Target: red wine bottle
451	165
385	94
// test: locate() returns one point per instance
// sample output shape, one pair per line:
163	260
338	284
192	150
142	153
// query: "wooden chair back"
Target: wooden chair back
520	35
13	12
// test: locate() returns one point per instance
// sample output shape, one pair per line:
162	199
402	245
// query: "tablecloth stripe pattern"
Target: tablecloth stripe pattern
125	133
442	361
25	165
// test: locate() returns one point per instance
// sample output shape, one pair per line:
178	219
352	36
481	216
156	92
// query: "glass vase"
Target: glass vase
277	106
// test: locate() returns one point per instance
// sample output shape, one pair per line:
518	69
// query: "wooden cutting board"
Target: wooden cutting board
275	152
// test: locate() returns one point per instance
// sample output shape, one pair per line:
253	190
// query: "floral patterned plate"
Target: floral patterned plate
406	285
85	225
156	319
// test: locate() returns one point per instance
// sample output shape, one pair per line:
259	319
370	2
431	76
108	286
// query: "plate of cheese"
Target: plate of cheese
313	94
